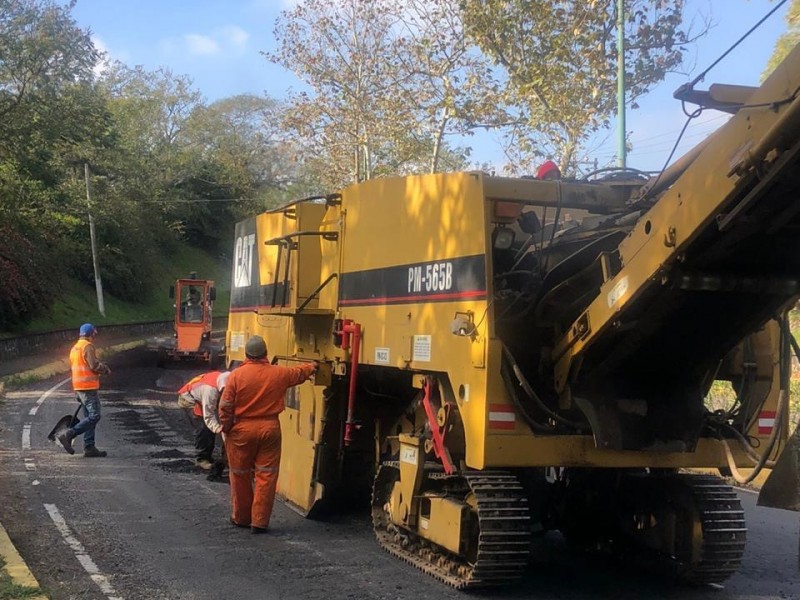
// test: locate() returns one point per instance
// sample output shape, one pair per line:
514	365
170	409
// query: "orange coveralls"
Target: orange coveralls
248	410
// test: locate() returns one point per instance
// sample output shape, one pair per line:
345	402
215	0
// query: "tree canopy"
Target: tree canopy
560	64
390	82
788	40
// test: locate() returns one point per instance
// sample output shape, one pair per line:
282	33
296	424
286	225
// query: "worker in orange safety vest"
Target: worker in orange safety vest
201	394
248	410
86	370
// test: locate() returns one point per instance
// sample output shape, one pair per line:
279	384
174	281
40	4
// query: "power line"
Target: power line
675	131
197	201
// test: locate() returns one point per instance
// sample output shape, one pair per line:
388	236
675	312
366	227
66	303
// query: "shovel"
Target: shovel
64	423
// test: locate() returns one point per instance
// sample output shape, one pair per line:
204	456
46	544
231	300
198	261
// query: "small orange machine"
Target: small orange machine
191	340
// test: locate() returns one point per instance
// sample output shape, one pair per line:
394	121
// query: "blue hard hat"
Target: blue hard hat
87	329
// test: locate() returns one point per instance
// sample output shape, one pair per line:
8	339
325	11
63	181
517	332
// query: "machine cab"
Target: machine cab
193	302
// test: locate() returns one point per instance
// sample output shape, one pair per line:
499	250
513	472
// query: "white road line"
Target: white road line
44	396
80	553
26	436
26	429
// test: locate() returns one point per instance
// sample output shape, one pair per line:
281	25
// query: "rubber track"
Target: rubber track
504	540
724	530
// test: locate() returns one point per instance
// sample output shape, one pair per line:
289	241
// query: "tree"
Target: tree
41	51
447	80
143	183
390	81
48	109
244	162
787	41
343	51
243	135
560	60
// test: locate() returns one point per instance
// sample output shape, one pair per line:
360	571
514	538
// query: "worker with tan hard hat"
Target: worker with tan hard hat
86	371
248	410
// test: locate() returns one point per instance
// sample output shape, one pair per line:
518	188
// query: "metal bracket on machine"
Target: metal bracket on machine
441	451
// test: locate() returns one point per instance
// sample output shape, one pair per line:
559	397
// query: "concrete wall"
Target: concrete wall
37	343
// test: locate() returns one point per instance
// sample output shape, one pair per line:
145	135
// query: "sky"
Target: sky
218	43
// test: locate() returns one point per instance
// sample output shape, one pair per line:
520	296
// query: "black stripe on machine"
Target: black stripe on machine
462	278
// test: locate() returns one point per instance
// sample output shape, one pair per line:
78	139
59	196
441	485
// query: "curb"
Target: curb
16	568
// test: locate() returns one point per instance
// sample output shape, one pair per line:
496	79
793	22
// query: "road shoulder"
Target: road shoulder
15	567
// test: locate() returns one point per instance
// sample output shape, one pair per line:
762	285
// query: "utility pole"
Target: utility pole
621	148
98	284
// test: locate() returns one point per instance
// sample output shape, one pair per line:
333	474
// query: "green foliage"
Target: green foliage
787	41
23	271
42	50
560	61
11	591
392	79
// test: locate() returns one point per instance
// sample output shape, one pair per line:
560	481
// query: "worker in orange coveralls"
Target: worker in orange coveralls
248	410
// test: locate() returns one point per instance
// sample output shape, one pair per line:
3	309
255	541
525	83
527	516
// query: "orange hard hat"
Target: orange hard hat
547	167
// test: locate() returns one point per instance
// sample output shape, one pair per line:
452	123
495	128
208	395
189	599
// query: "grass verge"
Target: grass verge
77	303
11	591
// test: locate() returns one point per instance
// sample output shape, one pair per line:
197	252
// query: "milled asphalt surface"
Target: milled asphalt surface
154	528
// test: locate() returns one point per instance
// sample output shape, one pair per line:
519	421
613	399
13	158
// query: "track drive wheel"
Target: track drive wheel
714	530
498	548
684	526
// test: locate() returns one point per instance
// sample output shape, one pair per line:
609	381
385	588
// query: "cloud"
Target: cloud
235	36
201	45
229	39
102	62
271	6
107	57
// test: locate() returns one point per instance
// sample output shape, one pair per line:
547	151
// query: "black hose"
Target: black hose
523	382
787	340
747	447
512	392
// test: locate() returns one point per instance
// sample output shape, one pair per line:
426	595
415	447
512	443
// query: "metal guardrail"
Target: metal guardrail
36	343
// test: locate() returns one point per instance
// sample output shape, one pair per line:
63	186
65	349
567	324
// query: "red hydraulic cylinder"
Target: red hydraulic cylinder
351	329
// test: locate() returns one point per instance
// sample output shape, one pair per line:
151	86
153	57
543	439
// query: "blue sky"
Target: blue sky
217	43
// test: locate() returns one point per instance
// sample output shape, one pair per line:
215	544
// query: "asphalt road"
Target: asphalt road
145	524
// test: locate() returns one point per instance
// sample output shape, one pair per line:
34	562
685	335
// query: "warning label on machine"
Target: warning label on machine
422	348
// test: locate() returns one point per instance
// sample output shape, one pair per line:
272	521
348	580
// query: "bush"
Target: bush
26	286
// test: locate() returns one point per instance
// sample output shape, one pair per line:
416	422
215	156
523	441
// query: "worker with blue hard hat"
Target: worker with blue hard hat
86	371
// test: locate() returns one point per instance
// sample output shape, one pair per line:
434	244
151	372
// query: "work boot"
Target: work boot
203	463
217	469
93	452
66	441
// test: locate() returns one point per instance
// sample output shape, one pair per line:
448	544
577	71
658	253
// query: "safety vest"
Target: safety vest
209	378
83	378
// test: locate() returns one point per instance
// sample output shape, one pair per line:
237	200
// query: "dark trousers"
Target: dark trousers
204	439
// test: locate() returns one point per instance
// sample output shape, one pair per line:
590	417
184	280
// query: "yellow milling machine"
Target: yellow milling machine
508	356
